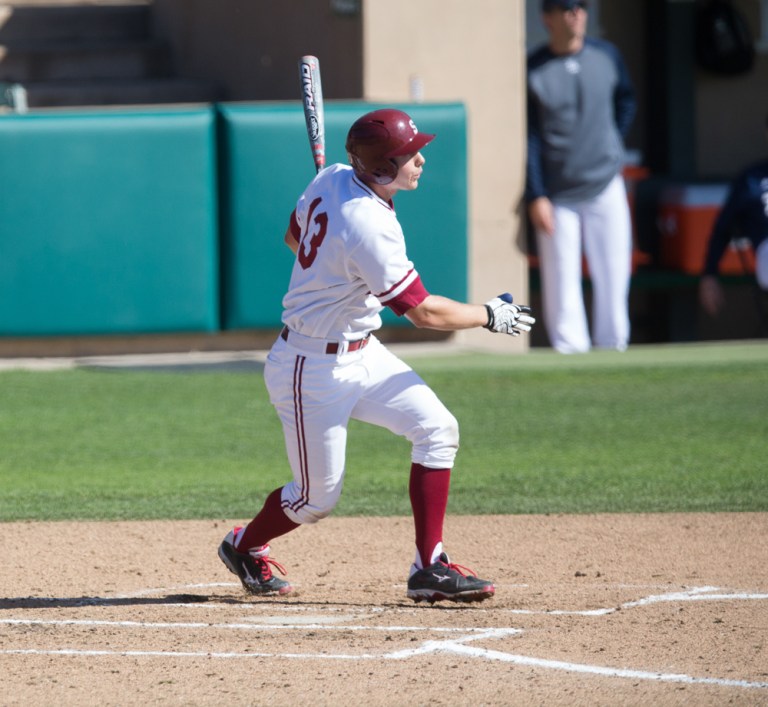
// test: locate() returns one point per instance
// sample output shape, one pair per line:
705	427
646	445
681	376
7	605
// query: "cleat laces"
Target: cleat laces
463	571
263	564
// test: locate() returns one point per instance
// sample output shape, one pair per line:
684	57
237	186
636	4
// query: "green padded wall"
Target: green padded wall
108	222
266	163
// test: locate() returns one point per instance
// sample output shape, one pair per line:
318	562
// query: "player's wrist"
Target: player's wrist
489	314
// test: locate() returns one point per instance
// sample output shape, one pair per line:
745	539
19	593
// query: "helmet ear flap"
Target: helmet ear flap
380	171
384	172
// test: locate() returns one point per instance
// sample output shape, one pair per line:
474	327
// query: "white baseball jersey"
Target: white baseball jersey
325	368
351	262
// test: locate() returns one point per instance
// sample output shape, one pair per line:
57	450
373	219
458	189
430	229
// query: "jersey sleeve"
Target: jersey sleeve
534	175
722	230
404	296
624	100
294	226
380	259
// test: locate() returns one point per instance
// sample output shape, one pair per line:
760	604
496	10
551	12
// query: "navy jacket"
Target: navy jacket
744	214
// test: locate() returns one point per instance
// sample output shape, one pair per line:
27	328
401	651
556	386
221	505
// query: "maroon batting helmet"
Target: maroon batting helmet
376	138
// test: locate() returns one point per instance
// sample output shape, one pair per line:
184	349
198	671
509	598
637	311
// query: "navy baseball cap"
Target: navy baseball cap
549	5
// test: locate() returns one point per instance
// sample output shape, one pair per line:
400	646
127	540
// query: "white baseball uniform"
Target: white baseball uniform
326	367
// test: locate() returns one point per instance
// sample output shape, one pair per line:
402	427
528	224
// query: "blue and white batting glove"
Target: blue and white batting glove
507	318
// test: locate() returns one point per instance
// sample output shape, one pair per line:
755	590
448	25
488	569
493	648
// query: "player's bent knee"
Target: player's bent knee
306	515
437	445
305	508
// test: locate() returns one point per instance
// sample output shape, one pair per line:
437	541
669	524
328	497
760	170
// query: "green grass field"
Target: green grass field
676	428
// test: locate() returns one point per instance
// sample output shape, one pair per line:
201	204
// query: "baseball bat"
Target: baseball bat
312	94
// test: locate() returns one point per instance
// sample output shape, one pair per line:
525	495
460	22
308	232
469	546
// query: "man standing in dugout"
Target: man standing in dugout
580	106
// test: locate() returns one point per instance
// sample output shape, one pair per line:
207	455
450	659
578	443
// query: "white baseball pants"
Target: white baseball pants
602	226
316	394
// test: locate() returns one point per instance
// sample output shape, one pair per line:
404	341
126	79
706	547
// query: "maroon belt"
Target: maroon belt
333	346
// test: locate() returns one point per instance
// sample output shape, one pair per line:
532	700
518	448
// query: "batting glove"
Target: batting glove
507	318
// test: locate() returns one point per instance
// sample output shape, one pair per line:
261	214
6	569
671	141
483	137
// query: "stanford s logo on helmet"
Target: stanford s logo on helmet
376	138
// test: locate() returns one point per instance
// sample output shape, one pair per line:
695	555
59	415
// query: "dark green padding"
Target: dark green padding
108	222
265	164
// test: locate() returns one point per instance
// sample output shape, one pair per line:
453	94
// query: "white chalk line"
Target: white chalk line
454	646
690	595
457	646
694	594
599	670
426	647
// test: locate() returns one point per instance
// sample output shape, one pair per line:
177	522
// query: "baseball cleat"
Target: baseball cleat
254	570
444	580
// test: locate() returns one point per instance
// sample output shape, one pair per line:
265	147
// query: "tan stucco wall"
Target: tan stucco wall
474	53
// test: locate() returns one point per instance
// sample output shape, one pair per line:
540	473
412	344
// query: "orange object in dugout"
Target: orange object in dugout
686	215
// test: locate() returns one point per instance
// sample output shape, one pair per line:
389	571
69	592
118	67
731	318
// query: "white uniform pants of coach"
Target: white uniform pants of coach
602	225
315	395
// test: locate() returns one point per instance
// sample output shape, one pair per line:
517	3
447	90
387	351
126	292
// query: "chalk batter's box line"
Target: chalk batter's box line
693	594
456	646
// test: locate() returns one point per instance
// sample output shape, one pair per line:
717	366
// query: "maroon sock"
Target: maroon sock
429	500
270	523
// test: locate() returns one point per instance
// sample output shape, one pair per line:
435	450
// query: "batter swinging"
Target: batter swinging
327	367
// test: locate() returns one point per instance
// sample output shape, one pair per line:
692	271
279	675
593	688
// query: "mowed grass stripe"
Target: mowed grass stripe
678	428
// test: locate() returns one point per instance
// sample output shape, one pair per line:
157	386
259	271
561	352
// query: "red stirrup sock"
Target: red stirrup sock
429	500
270	523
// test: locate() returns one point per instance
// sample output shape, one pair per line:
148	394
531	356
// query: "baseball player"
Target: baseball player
327	367
580	106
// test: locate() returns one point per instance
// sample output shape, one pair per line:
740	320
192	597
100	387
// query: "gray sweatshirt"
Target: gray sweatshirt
580	108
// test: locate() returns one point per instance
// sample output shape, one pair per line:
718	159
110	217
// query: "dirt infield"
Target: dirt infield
597	610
